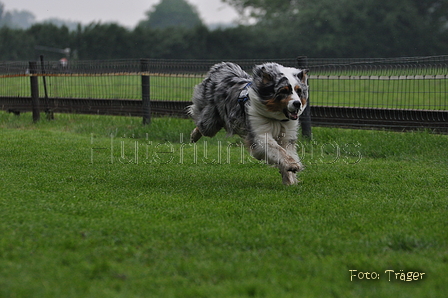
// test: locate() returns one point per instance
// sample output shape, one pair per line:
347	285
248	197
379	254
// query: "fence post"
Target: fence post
305	121
48	111
34	91
305	118
146	99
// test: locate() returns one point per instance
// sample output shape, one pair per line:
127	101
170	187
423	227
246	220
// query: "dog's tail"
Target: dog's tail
190	111
198	105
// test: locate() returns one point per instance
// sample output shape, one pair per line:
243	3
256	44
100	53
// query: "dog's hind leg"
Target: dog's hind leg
208	124
204	129
208	128
195	135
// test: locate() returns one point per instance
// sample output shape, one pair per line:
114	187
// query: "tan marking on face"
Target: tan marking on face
303	100
275	105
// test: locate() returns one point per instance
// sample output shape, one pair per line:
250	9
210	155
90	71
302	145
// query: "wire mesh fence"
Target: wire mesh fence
399	83
79	79
410	83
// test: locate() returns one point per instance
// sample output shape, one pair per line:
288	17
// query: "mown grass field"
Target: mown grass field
99	206
428	93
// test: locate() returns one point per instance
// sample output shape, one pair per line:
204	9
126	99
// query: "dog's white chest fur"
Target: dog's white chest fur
277	129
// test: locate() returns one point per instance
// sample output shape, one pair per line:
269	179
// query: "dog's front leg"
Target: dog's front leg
291	149
266	148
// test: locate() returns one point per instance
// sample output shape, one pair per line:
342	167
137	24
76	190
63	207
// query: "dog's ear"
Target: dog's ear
265	80
263	74
302	75
266	76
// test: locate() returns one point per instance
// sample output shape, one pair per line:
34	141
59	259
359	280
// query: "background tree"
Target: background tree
21	19
48	35
264	10
352	28
16	19
103	41
5	19
18	46
283	29
172	13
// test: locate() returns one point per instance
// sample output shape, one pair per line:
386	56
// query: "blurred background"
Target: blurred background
226	29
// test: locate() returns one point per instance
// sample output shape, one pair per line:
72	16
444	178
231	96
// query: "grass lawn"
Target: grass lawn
99	206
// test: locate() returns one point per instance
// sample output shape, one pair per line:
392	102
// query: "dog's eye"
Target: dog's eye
285	90
283	93
298	91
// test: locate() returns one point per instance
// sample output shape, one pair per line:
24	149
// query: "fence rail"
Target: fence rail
394	93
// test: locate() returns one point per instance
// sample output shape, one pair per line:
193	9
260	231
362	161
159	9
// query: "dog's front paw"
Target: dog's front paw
289	178
288	171
293	166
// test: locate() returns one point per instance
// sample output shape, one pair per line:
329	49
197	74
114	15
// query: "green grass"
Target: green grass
404	94
160	226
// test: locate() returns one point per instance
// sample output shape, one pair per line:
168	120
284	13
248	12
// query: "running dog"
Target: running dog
263	110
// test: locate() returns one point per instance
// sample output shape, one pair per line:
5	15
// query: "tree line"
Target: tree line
318	28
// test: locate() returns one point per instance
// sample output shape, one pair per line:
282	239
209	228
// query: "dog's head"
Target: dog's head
282	89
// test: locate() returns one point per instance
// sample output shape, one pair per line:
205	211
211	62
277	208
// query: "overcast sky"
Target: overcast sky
124	12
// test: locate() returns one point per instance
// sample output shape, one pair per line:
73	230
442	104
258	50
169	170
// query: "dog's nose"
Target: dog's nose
297	104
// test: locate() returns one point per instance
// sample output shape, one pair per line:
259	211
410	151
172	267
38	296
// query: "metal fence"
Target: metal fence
395	93
399	83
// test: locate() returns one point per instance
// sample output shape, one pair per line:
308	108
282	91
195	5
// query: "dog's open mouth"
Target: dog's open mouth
291	115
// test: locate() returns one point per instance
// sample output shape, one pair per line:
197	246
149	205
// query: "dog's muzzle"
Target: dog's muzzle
293	111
